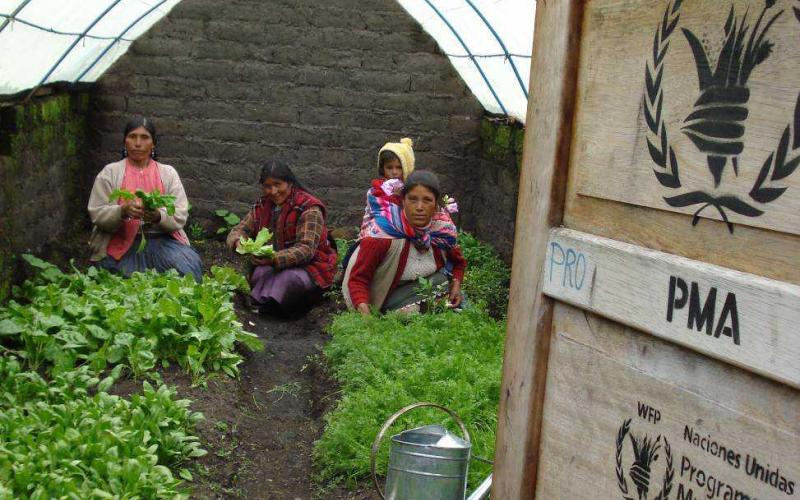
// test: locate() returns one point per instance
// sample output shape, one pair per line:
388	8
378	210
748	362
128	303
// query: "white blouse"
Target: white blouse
419	264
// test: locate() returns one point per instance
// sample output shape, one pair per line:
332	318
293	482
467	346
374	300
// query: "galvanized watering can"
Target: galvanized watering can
427	463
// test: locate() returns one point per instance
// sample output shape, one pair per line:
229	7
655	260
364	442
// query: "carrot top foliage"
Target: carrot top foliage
386	362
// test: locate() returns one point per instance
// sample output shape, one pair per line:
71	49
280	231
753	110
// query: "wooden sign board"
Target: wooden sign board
714	432
679	113
653	353
746	320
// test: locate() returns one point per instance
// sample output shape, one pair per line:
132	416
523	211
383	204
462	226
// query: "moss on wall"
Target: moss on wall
41	163
502	141
495	202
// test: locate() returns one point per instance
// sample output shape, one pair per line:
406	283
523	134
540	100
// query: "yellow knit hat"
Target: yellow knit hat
404	150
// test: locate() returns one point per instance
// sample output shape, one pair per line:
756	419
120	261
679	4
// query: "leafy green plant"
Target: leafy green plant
434	298
342	245
196	231
487	278
230	219
256	246
68	438
386	362
58	321
150	201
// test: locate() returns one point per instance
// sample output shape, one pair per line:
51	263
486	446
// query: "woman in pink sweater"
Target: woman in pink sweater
119	224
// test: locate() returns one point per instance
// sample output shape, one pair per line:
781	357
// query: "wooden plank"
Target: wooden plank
752	250
756	182
603	375
740	318
541	198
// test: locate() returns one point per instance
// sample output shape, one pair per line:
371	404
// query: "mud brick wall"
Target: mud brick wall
42	163
320	84
495	202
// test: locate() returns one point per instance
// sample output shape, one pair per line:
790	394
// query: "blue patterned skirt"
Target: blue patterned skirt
161	253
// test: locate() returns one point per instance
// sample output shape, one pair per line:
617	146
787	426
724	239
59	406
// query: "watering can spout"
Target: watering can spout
483	490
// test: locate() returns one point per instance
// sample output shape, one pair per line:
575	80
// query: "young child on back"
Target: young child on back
395	163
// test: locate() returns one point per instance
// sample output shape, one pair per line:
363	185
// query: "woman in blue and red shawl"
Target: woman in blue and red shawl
405	243
304	262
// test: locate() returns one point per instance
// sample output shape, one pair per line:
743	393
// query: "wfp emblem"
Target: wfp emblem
645	460
716	123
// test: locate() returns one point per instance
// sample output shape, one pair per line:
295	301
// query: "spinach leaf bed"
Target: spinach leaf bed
383	363
66	338
63	438
59	321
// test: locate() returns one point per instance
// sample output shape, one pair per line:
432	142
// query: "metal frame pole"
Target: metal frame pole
472	57
54	31
502	45
118	38
72	46
13	14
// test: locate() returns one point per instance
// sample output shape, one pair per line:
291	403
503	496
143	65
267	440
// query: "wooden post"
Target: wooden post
541	199
658	211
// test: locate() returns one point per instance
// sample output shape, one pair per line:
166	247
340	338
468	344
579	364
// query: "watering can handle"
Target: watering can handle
377	443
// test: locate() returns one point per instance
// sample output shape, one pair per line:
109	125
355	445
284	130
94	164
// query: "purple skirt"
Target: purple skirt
288	288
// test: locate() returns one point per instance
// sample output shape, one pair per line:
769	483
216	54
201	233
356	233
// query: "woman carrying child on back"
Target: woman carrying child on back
404	243
395	163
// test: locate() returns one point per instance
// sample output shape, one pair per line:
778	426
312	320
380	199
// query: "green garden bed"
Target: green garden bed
383	363
66	338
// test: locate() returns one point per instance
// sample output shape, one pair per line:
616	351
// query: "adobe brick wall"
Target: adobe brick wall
320	84
42	158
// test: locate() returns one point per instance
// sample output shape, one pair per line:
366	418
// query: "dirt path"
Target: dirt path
260	430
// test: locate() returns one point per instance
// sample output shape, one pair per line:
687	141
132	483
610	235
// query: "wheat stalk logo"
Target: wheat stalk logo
716	124
645	454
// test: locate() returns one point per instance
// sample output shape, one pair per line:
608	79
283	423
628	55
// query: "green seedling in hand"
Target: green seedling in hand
257	246
150	201
155	200
121	194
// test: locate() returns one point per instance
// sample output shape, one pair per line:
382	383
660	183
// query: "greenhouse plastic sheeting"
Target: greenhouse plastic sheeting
489	42
45	41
